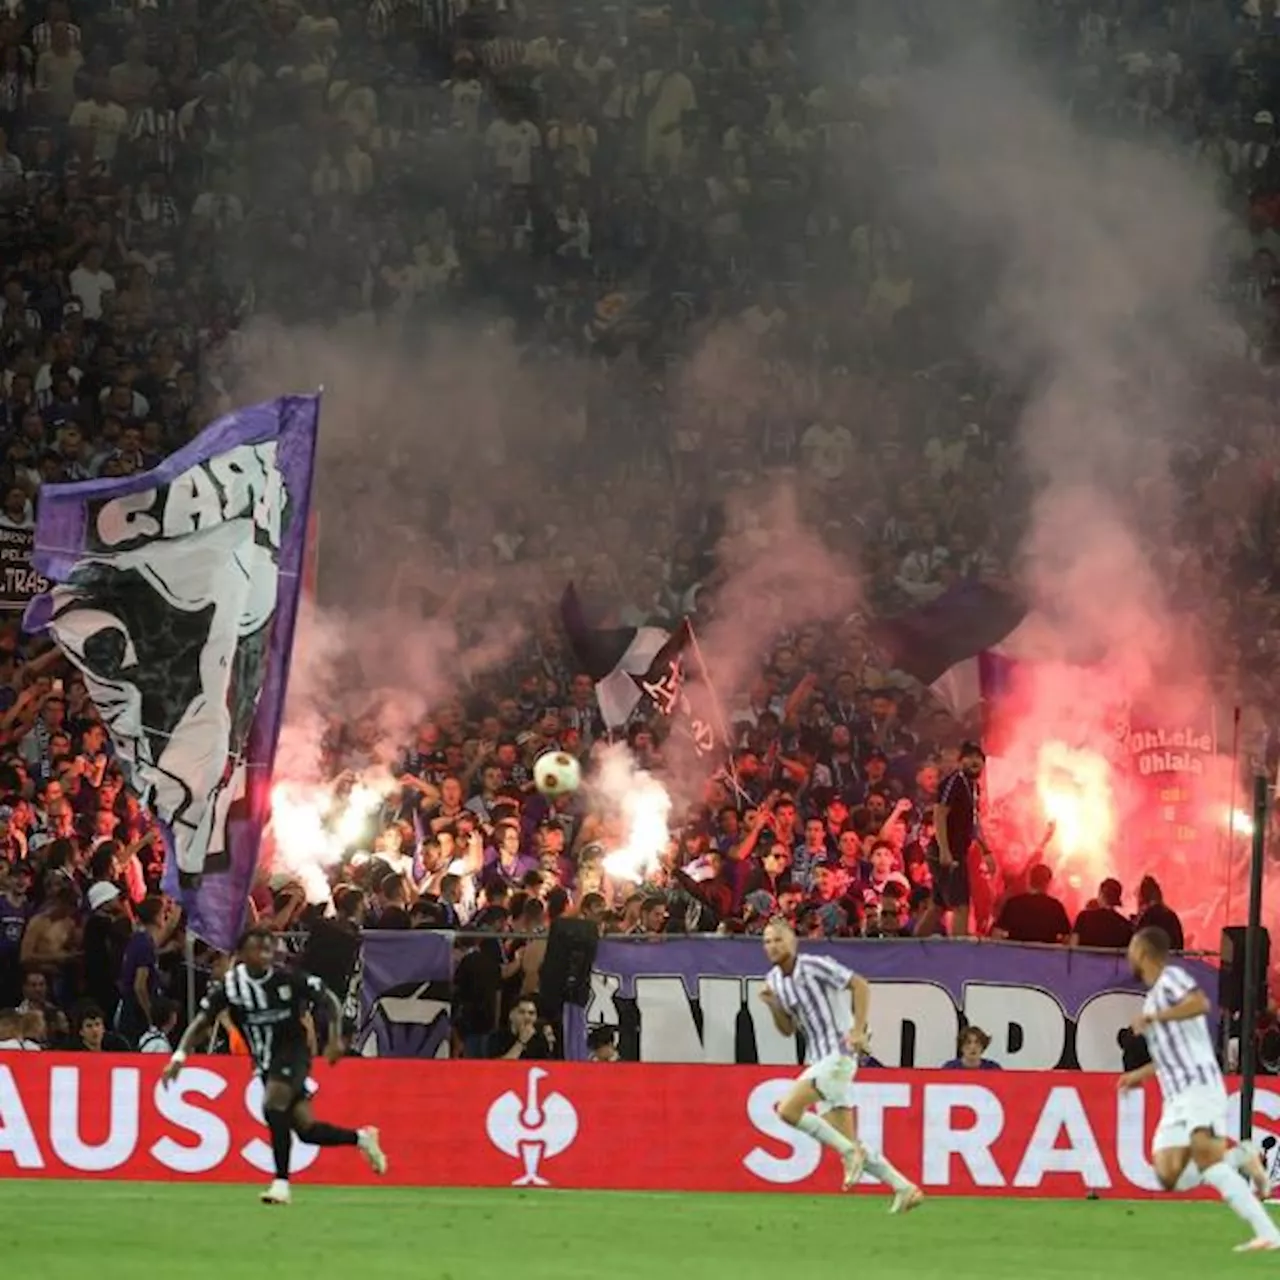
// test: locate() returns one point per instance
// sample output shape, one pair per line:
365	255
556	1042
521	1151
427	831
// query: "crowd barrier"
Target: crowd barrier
696	999
615	1127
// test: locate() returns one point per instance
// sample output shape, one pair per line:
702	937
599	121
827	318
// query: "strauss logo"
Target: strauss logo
532	1129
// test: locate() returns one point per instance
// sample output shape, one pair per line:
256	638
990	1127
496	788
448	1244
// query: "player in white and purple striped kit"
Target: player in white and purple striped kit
1189	1147
829	1005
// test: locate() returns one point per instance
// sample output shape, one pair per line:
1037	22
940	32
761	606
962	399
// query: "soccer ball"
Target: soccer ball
557	774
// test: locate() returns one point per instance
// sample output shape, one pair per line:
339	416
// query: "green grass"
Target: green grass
100	1231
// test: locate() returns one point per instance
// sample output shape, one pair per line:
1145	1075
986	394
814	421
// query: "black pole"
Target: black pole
1252	955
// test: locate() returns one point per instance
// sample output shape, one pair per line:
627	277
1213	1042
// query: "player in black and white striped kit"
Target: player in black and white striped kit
268	1007
1189	1147
829	1005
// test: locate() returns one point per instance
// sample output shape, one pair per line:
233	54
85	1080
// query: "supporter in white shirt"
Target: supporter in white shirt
11	1037
512	143
90	283
16	511
56	70
164	1017
107	121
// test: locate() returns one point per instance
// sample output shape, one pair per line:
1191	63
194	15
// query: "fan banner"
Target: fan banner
696	999
19	581
561	1125
176	597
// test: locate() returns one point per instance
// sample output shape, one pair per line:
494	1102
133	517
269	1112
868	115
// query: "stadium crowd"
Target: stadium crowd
614	184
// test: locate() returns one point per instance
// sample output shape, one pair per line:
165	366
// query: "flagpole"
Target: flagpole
717	711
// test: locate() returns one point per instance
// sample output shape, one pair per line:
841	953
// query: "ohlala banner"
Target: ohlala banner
619	1127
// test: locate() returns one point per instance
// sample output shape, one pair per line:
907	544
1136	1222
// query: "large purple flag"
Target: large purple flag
177	596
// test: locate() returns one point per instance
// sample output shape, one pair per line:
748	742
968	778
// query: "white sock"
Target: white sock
816	1127
880	1168
1241	1200
1189	1179
1236	1157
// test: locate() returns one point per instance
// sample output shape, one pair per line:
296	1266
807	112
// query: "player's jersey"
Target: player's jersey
267	1010
810	993
1182	1052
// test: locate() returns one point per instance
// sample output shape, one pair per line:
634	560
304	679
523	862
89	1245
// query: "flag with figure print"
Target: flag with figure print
176	597
635	667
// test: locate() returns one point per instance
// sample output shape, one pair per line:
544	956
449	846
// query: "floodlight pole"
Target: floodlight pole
1252	957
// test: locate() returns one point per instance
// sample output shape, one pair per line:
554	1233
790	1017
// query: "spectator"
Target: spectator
140	982
1103	926
1154	914
1034	916
971	1049
524	1038
13	1032
158	1038
89	1032
107	934
601	1045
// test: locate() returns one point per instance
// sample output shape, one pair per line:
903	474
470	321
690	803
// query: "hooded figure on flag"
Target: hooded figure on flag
176	599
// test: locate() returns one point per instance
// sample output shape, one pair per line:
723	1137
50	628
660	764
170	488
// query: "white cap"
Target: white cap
100	893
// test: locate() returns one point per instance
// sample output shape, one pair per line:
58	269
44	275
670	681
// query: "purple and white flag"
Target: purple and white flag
177	596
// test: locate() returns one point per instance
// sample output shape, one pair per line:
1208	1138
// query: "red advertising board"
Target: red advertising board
623	1127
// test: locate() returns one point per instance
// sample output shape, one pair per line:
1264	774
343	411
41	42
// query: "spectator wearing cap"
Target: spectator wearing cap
1103	925
106	935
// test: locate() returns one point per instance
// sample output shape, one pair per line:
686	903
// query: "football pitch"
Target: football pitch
104	1230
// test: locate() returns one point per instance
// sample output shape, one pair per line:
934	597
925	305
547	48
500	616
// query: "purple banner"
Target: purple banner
177	599
406	992
696	999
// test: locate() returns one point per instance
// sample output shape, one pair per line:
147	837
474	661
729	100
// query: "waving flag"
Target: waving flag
177	596
632	666
617	658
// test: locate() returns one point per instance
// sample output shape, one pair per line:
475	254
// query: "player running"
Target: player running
812	994
268	1006
1189	1146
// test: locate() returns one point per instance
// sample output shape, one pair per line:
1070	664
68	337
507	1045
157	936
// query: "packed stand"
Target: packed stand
616	185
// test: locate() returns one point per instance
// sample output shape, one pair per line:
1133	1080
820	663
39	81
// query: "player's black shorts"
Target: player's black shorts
950	884
290	1064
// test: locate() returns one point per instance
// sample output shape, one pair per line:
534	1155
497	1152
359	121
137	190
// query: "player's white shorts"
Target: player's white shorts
1199	1107
832	1076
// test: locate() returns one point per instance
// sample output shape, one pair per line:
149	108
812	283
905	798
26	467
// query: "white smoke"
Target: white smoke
642	807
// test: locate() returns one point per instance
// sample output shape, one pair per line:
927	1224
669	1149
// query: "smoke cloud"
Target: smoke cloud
639	806
1084	264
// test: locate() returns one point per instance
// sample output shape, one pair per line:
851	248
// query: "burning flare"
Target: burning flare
644	807
1074	789
313	826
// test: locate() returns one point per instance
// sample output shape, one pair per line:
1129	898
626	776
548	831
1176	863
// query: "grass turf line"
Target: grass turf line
188	1231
